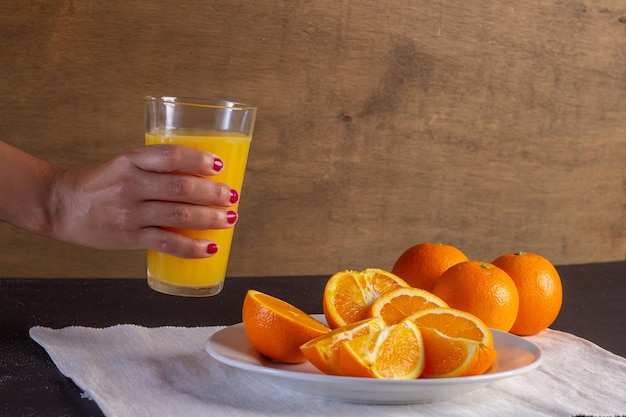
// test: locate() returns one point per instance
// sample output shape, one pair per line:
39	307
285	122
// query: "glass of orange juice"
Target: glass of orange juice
225	129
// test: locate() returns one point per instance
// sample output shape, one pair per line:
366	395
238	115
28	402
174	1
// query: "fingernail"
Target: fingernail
218	164
231	217
211	248
234	196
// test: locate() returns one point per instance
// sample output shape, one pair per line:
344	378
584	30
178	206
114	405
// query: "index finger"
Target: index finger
175	158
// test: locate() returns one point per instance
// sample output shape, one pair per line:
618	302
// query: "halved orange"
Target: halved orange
276	328
455	324
402	302
396	352
324	351
348	295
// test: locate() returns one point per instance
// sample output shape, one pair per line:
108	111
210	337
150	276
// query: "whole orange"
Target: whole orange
421	265
540	291
482	289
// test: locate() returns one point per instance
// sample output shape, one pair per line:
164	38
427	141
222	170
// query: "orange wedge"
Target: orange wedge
453	357
276	328
460	338
396	352
402	302
348	295
454	323
324	351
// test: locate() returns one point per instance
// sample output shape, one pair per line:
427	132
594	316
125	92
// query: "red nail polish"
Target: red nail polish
211	248
234	196
218	164
231	217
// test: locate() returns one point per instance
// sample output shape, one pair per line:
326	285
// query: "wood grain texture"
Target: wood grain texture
488	125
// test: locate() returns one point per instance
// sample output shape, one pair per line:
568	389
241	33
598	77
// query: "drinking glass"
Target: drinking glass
220	127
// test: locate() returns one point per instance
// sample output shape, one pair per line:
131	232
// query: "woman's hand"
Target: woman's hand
125	203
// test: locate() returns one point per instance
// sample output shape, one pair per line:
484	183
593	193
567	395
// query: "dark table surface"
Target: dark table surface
594	308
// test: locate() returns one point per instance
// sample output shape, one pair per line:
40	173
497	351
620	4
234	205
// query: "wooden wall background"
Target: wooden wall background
494	126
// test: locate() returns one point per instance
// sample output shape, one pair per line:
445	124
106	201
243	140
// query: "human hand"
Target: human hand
128	202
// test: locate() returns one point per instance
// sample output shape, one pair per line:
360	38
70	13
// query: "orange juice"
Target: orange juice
232	148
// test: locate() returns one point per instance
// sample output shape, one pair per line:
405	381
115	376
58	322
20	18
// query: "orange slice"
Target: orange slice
402	302
453	357
456	332
396	352
454	323
348	295
324	351
276	328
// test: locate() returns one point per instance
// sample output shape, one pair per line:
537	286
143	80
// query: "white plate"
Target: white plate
231	347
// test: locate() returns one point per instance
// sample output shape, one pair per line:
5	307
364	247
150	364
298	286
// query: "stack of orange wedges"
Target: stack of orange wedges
379	327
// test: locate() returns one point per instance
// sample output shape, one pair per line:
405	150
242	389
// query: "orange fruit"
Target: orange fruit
276	328
540	291
396	352
454	323
324	351
482	289
402	302
450	357
456	343
348	295
421	265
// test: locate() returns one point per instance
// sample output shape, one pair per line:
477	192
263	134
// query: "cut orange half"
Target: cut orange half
324	351
276	328
396	352
402	302
348	295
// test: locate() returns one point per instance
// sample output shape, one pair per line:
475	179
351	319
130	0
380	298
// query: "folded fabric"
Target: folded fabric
133	371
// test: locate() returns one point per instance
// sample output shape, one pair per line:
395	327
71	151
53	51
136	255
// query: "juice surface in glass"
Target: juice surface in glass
232	148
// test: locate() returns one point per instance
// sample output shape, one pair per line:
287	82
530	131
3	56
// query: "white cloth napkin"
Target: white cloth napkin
133	371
